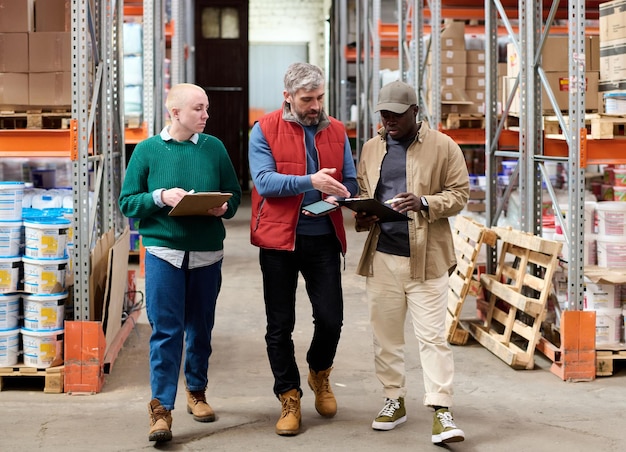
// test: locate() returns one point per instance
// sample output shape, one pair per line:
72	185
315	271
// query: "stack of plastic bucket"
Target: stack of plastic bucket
45	264
11	195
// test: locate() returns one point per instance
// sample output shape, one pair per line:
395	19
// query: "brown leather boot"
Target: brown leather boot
160	422
198	407
289	422
325	402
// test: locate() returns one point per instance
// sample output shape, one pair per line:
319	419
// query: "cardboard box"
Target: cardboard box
14	88
13	52
475	56
612	21
454	95
559	82
49	51
475	70
453	70
554	57
461	109
451	56
453	35
50	88
593	61
476	96
475	83
17	16
613	61
53	15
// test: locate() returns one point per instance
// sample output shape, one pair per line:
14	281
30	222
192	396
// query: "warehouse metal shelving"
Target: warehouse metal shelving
532	150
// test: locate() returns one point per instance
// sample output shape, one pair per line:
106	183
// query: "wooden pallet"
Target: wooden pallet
468	237
608	127
605	356
458	121
35	118
517	297
52	376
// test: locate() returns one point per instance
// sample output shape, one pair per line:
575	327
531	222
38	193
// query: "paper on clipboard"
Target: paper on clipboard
198	203
374	207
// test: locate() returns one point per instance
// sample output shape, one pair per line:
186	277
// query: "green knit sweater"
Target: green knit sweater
202	167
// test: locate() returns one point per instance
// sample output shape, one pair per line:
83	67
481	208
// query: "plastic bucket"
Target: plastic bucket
608	326
46	237
44	275
10	237
611	251
45	311
9	311
589	211
9	346
11	194
611	218
9	273
42	348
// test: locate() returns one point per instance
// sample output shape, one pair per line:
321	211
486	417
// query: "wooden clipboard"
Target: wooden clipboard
199	203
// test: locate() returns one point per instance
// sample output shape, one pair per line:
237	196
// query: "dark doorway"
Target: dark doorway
221	40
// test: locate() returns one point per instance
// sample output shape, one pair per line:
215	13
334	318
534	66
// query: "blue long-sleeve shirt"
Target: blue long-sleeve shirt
269	182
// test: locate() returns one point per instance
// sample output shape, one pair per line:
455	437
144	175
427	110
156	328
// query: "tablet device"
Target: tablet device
374	207
320	207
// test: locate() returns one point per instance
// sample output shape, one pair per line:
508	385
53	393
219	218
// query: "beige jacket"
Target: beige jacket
436	169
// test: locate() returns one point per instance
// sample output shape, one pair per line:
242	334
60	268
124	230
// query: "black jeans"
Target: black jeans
318	258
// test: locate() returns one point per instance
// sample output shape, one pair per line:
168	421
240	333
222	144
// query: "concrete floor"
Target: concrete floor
499	409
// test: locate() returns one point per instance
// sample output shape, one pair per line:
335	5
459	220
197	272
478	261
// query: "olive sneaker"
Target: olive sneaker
392	414
444	428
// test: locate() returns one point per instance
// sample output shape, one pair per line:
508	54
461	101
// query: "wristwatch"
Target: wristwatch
424	202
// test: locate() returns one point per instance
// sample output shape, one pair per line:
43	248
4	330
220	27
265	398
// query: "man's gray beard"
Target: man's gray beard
306	121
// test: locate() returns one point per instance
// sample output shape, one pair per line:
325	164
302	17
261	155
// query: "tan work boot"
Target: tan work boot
198	406
289	422
325	402
160	422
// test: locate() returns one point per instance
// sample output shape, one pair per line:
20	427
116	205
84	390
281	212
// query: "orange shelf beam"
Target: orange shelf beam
135	135
35	143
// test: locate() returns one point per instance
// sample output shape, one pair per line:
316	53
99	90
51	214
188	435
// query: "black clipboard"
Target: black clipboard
199	203
374	207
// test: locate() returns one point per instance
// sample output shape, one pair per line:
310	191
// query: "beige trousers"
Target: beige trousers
391	293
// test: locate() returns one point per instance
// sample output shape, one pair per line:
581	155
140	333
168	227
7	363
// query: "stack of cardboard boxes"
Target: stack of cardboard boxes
35	53
463	72
613	56
555	63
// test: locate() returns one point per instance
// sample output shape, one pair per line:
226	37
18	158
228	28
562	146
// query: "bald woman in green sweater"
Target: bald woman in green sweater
184	254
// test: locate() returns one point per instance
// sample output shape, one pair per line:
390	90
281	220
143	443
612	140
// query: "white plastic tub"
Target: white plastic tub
42	349
44	275
44	311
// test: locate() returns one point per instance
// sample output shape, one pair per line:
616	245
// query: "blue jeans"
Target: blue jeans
318	258
180	304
